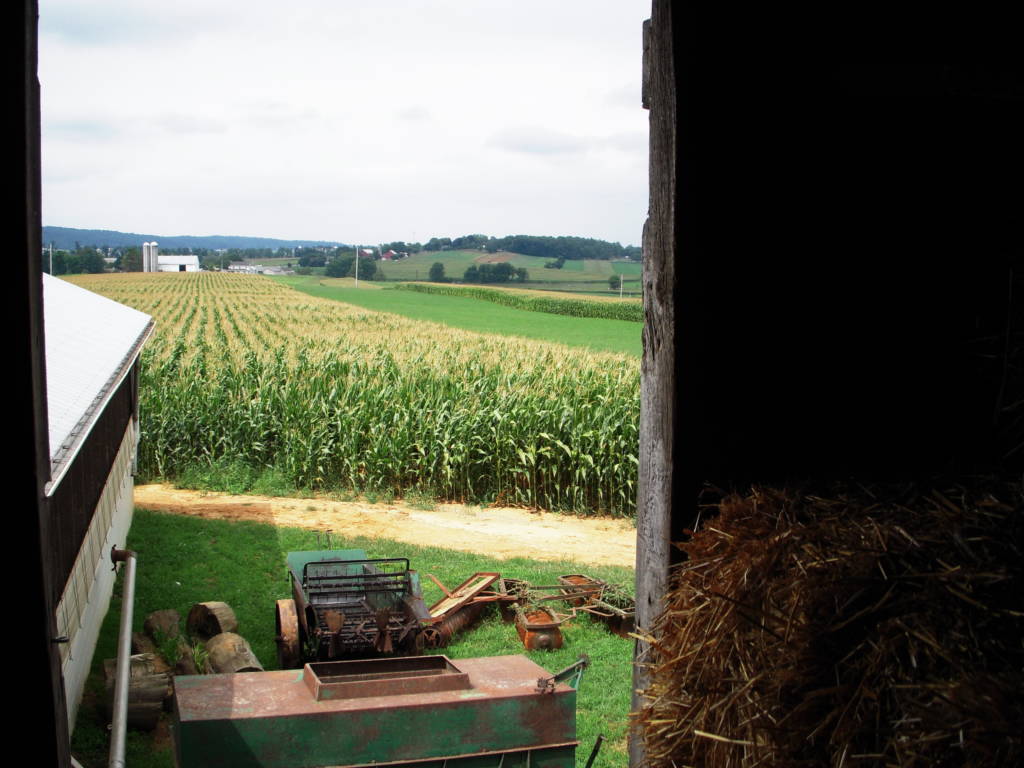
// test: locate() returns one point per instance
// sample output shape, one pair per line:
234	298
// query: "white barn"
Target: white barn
171	263
92	352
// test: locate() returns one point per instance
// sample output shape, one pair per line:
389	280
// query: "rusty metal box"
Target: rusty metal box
395	711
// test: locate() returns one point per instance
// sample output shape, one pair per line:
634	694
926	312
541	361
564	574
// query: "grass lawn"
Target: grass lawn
627	268
184	560
481	316
417	266
577	276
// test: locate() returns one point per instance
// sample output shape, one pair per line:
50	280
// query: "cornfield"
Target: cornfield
535	301
334	397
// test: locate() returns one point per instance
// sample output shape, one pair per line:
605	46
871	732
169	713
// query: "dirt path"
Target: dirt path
501	532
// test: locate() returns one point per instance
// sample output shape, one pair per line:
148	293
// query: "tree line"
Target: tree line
536	245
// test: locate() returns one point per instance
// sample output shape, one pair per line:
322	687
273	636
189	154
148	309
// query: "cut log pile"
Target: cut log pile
868	627
161	651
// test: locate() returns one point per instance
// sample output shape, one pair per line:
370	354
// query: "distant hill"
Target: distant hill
66	237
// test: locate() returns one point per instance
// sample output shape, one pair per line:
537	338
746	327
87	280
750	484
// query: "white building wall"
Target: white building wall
174	263
86	597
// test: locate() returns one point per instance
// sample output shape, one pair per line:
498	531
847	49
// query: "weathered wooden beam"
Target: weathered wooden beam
30	460
658	414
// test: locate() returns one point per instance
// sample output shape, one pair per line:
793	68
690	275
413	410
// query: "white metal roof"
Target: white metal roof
91	343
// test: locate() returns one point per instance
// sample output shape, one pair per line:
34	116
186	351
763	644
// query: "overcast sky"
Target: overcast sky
349	120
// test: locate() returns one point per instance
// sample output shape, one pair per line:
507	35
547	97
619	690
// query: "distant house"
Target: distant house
389	255
92	352
171	263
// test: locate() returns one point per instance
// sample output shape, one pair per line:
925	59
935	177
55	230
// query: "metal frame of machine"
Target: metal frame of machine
345	604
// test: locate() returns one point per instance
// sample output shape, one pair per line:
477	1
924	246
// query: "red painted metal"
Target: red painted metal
383	677
538	628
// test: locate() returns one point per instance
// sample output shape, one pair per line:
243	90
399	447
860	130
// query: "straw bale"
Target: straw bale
875	626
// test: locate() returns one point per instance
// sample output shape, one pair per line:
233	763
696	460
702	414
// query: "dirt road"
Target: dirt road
501	532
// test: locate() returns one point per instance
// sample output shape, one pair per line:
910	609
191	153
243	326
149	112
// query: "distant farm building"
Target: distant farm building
92	352
170	263
154	261
389	255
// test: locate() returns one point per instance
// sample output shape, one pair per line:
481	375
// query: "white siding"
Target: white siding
86	597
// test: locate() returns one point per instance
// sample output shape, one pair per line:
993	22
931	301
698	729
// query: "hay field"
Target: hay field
245	372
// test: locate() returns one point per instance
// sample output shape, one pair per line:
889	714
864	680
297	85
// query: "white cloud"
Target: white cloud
397	119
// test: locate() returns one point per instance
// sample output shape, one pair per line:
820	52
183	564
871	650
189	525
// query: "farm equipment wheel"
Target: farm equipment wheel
431	637
287	638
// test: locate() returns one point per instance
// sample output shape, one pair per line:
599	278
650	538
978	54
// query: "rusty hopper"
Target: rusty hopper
344	604
497	711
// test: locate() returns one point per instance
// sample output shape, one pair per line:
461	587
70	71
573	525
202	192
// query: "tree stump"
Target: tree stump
206	620
143	643
148	688
161	625
230	653
186	664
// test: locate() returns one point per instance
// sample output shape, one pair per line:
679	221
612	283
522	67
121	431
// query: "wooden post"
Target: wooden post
656	488
24	312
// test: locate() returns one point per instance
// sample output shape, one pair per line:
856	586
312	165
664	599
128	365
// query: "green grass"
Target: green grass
577	276
484	316
417	266
536	301
627	268
184	560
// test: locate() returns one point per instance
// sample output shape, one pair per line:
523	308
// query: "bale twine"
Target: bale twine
875	627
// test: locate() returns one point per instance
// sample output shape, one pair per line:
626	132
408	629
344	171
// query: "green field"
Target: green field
480	316
577	276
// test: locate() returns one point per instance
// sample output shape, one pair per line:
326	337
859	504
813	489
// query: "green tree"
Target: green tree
92	262
131	260
437	272
368	270
343	266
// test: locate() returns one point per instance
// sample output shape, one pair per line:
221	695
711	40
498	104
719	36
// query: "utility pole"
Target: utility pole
620	286
357	266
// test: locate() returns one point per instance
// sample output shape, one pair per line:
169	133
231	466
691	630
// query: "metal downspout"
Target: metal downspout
119	721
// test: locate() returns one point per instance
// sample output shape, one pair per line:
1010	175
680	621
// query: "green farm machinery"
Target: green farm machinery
414	712
355	690
346	605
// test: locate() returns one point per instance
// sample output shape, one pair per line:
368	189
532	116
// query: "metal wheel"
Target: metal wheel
289	655
432	637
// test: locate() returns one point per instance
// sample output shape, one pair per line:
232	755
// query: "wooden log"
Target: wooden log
143	643
229	653
162	624
149	687
206	620
186	664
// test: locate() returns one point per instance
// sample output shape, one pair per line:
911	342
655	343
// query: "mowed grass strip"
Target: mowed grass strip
604	308
481	313
185	560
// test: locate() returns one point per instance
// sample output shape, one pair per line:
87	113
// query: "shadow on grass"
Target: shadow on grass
185	560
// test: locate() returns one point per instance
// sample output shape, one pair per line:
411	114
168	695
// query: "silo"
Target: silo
145	258
153	254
